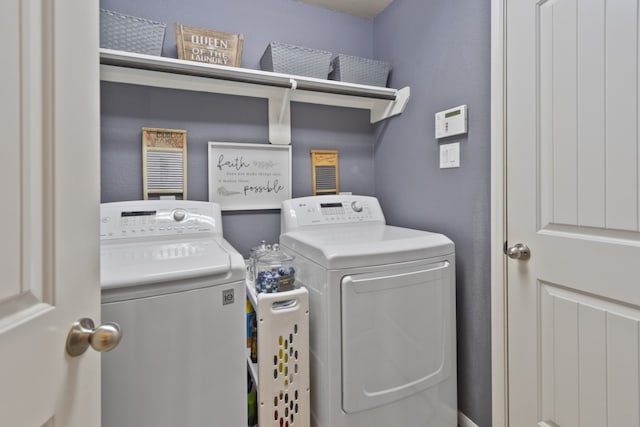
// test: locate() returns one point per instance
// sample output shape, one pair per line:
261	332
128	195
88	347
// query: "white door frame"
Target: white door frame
499	373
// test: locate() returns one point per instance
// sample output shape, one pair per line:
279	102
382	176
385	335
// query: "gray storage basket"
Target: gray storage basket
297	60
130	33
364	71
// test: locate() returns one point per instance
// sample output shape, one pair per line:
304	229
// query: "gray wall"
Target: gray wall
211	117
442	50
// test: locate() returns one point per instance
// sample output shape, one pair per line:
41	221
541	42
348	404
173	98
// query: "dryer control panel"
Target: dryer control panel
329	210
156	218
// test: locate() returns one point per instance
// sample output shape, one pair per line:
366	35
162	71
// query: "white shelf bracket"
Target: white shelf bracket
382	110
280	115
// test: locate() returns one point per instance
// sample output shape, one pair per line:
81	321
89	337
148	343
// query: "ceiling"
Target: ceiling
364	8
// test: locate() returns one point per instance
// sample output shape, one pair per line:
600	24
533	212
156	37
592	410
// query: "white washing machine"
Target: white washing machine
382	314
176	287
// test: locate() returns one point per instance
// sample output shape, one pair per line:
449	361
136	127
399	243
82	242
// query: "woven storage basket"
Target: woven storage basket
130	33
297	60
364	71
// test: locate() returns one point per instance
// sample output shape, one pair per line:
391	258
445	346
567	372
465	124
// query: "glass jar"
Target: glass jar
255	252
274	271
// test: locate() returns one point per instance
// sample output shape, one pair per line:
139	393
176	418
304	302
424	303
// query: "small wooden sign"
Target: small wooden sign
164	163
325	178
209	46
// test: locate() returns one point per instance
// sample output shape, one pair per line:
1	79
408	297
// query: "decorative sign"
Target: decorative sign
164	163
249	176
209	46
324	172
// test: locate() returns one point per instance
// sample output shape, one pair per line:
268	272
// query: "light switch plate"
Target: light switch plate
450	155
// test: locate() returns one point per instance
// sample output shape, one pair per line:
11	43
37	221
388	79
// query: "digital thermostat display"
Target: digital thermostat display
451	122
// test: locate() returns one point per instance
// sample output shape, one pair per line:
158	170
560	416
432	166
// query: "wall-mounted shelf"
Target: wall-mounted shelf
279	89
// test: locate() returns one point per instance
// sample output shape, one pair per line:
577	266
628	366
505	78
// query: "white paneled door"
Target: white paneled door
49	170
573	185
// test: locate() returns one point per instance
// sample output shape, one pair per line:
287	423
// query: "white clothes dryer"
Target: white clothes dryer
177	289
382	314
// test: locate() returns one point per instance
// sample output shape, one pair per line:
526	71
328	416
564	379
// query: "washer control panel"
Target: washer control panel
330	210
158	218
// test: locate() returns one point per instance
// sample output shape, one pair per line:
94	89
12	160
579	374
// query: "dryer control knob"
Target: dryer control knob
356	206
179	214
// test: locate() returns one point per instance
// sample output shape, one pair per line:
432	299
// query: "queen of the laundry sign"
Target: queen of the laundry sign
209	46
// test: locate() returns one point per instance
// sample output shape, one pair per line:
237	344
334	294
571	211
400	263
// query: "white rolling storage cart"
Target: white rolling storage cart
282	372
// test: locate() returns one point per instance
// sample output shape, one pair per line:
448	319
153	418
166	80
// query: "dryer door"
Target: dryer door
396	333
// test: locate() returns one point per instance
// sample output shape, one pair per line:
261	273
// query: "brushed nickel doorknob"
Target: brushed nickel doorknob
83	334
519	251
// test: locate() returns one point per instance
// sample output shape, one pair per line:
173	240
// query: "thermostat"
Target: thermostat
451	122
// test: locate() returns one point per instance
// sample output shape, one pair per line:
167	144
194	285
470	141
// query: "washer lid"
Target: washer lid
144	262
362	245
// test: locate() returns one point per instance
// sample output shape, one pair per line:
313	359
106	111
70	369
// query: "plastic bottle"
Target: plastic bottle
254	340
250	314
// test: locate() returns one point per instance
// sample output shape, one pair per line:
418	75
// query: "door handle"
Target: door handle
83	334
518	251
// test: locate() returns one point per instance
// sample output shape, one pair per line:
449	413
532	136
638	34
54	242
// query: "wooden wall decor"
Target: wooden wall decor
209	46
164	163
325	177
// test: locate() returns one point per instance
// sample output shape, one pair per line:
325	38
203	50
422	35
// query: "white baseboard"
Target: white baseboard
463	421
